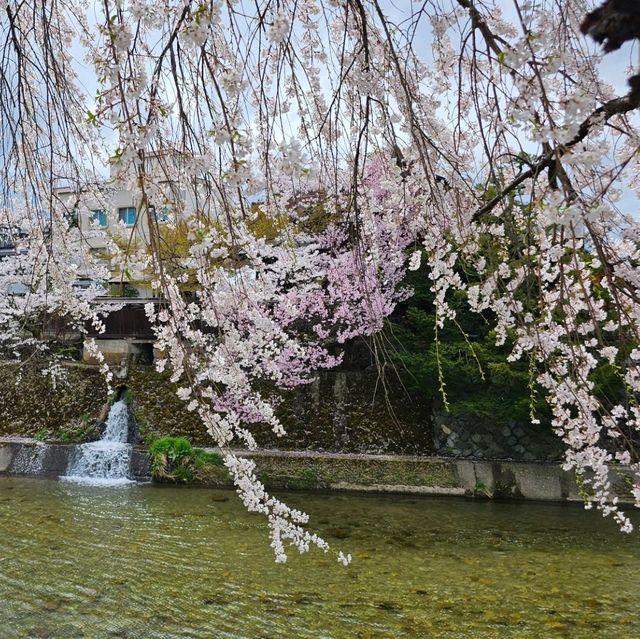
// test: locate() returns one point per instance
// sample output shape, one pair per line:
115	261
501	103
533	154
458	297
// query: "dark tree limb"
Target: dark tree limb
617	106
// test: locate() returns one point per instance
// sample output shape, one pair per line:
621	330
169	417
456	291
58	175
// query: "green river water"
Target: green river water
145	562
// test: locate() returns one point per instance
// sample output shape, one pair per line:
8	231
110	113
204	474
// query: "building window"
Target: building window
127	215
99	217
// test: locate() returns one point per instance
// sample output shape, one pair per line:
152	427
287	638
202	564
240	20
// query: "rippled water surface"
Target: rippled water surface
147	563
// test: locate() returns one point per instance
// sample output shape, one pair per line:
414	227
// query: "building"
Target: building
106	212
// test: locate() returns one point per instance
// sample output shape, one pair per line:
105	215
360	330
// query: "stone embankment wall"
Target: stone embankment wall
35	403
342	411
483	438
347	411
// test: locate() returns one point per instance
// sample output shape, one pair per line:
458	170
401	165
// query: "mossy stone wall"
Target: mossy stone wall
31	402
342	411
307	473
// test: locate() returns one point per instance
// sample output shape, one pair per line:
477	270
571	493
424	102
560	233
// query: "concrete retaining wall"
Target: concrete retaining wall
29	457
500	479
356	472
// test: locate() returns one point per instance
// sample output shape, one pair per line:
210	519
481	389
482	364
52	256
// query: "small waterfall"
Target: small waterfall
106	461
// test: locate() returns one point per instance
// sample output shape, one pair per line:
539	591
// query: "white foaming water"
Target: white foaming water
105	462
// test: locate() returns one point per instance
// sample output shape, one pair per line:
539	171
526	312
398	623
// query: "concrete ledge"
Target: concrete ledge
496	479
518	480
310	470
30	457
398	488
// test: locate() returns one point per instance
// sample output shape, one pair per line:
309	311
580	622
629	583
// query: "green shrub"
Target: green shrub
169	454
175	459
478	379
202	457
183	474
476	375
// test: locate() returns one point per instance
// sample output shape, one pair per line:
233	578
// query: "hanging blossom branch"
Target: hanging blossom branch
601	115
310	153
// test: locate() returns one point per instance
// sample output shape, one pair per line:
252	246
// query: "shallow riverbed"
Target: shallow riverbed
145	562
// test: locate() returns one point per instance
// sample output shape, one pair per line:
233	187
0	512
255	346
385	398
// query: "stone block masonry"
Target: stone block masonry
482	438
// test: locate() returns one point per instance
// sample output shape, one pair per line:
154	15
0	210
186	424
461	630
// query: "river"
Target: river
148	562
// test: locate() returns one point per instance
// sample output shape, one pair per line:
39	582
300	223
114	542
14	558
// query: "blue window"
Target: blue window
127	215
99	217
